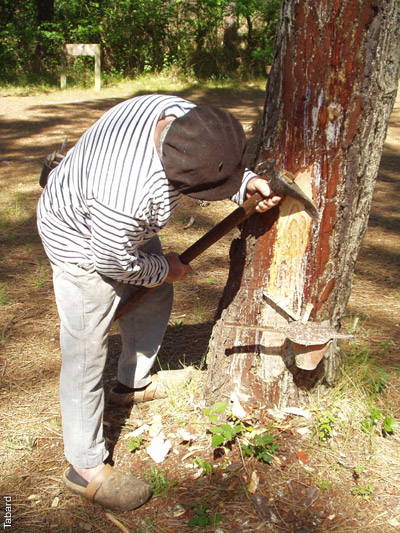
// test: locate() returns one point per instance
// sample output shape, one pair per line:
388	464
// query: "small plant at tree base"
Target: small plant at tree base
363	491
208	468
222	433
358	471
325	423
135	443
159	481
263	448
379	382
372	419
323	485
390	425
204	518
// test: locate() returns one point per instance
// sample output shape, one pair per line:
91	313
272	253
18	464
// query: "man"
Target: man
98	218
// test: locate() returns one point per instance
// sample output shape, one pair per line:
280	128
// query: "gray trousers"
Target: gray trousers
86	303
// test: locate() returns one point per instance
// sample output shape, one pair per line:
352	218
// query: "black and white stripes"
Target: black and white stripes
110	194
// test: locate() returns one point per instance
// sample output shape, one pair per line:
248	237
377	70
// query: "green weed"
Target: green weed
323	485
135	443
4	300
159	481
363	491
208	468
390	424
263	448
204	517
325	422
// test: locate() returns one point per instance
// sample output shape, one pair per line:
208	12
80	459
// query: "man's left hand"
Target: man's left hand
261	186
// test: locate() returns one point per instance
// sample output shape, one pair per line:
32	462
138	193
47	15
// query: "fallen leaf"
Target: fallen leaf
253	485
186	436
55	502
237	409
303	457
139	431
302	431
297	411
156	426
159	448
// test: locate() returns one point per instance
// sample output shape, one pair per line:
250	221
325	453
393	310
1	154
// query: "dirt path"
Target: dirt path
307	491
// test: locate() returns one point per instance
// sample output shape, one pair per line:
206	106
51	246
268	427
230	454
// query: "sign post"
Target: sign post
81	50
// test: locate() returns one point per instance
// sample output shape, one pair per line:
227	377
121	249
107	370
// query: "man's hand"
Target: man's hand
177	270
261	186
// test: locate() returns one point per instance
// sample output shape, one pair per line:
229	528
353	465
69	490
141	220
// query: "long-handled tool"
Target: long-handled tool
277	179
208	239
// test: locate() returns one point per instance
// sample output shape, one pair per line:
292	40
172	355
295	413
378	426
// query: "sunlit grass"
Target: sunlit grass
149	83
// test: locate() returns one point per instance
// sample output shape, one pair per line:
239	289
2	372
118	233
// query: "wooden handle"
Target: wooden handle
208	239
222	228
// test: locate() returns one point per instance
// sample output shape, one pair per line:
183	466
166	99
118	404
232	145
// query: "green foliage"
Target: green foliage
325	422
263	448
371	378
204	38
4	300
363	490
207	467
159	481
222	433
379	381
324	485
390	424
135	443
204	518
372	419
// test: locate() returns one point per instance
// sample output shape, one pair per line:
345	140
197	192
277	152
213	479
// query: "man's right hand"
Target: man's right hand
177	270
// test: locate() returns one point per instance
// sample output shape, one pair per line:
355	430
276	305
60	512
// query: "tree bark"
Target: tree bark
329	97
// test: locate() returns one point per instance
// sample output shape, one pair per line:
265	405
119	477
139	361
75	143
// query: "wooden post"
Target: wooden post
81	50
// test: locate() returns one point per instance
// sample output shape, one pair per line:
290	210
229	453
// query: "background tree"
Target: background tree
137	36
328	102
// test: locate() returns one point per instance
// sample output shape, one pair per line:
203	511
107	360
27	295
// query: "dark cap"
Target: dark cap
204	153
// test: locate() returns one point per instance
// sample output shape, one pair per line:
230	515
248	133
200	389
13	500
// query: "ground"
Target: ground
327	474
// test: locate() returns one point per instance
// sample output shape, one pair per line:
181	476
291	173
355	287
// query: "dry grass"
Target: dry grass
309	485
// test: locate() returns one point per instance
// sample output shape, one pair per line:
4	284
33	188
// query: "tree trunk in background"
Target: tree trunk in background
328	102
45	11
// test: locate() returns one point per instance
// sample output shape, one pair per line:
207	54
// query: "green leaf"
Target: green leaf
227	431
219	407
217	440
213	419
390	424
246	449
217	430
203	521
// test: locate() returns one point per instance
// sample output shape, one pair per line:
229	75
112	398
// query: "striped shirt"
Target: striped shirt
110	194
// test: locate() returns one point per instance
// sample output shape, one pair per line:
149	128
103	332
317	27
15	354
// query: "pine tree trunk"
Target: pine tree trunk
329	98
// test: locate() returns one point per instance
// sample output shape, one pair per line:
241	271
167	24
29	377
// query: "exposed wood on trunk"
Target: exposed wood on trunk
328	102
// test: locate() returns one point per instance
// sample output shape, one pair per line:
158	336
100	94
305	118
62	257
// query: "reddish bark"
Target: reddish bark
329	99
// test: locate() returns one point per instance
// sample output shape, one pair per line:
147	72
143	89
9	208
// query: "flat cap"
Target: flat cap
204	153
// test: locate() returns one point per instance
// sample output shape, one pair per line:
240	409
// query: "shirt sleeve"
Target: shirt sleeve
240	196
115	241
